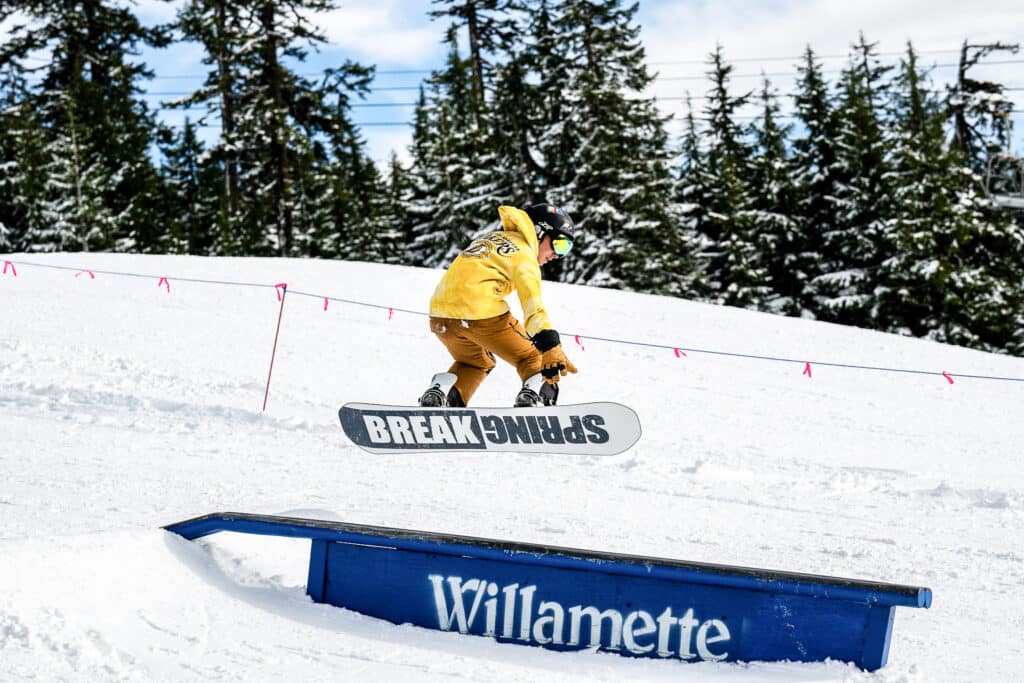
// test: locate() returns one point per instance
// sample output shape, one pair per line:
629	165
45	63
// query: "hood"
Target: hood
516	220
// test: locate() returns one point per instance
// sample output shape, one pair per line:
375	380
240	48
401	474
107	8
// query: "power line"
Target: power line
683	98
800	57
376	124
951	65
662	78
737	59
355	105
367	124
403	71
386	105
396	87
703	62
704	77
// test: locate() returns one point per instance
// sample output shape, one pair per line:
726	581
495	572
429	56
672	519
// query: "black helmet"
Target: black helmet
548	218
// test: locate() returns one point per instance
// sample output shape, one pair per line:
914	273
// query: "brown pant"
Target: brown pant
474	344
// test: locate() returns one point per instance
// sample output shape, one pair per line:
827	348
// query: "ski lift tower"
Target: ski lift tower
1004	176
1004	172
1004	181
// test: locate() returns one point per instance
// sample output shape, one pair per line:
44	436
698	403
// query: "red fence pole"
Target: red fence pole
273	353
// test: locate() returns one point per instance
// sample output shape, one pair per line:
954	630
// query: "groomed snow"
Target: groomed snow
124	408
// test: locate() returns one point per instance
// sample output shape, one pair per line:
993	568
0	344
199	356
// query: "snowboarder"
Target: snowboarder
468	312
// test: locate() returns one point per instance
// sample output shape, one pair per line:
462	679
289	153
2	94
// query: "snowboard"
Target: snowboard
581	429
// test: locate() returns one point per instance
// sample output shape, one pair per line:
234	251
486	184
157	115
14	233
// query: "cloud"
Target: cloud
677	33
381	142
385	32
786	27
151	12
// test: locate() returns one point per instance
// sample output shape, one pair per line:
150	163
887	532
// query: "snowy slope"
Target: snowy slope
124	407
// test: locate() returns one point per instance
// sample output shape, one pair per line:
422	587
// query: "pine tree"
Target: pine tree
219	26
512	129
979	274
87	103
778	230
690	208
735	267
955	275
337	185
454	167
72	211
361	222
817	178
191	181
468	147
490	26
25	180
417	200
377	238
436	187
609	150
817	175
268	92
8	163
16	159
1016	320
395	217
856	247
545	144
319	212
276	166
911	281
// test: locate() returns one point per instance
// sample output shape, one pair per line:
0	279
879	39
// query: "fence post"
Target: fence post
280	313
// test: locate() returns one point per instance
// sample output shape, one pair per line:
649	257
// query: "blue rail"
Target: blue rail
571	599
808	585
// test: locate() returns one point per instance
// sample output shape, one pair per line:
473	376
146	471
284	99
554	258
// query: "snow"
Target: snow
125	407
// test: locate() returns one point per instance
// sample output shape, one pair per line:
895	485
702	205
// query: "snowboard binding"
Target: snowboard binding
536	392
442	393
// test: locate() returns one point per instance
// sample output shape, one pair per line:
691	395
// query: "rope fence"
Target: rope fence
164	282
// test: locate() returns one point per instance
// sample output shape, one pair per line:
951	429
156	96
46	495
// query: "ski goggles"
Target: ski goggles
561	244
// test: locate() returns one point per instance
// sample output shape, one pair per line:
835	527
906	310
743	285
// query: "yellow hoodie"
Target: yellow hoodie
475	285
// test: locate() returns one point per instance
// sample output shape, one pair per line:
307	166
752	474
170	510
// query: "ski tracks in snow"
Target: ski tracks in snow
88	386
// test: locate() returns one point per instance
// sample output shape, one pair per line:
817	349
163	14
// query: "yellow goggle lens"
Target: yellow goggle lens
561	245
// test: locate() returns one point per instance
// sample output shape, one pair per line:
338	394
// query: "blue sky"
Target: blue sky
399	38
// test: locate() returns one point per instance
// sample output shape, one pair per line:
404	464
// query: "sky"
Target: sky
405	44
